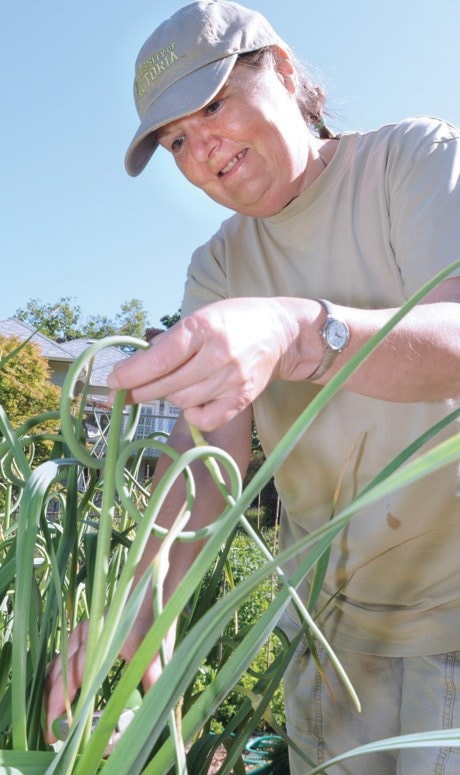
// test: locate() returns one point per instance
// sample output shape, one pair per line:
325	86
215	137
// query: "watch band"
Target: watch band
330	353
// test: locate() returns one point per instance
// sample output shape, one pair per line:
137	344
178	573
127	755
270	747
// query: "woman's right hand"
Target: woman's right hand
55	705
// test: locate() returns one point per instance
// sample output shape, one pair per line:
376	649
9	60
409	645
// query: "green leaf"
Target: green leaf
25	762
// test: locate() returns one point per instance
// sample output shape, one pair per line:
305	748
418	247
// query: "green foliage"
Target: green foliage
62	320
265	509
57	321
56	569
26	392
99	326
132	320
169	320
243	559
25	387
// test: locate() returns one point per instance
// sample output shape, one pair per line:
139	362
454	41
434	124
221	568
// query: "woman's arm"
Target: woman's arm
216	361
419	360
235	438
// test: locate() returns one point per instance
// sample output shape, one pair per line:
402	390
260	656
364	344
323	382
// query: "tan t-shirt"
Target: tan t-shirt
379	222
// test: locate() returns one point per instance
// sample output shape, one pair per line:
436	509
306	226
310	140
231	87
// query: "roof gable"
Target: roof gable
22	331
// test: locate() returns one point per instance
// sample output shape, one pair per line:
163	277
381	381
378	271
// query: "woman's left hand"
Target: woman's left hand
216	361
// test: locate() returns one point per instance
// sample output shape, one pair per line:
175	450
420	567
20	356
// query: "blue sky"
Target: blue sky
73	223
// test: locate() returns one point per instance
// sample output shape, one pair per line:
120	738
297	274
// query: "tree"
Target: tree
58	321
169	320
25	386
99	326
26	390
132	320
61	321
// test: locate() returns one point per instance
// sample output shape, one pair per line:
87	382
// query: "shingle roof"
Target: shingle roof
67	351
22	331
104	360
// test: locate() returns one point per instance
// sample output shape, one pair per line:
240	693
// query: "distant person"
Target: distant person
331	234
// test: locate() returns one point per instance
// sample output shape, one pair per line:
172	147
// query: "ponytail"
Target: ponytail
323	130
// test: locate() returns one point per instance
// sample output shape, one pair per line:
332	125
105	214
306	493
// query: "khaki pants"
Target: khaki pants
398	696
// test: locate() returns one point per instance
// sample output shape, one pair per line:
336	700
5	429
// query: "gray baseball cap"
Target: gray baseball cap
186	61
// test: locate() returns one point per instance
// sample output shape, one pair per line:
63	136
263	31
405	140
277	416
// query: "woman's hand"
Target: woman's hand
54	685
215	362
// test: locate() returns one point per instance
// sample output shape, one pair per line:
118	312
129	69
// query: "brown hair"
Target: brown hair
310	98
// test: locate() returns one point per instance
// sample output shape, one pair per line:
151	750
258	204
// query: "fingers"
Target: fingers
152	674
199	381
155	667
212	364
167	353
182	358
216	413
209	401
55	704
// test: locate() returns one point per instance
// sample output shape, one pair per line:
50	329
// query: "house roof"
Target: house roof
104	360
22	331
68	352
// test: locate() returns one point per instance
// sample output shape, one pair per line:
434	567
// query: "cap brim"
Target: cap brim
186	96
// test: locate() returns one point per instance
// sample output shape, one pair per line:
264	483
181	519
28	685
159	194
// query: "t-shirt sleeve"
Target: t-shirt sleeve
206	280
424	200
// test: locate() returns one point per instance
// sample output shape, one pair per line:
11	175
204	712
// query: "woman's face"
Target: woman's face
248	148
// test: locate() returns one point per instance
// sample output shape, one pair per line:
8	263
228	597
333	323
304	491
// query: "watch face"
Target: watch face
336	334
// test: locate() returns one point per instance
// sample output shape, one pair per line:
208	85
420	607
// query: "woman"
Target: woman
362	220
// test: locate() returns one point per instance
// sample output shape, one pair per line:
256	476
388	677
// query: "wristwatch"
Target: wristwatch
336	335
